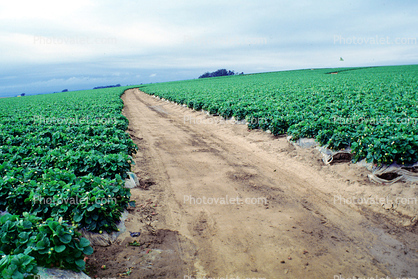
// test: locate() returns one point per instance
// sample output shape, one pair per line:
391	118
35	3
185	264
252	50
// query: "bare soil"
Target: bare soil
296	217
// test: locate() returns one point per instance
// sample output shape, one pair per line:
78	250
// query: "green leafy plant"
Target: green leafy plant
27	242
373	111
17	266
66	155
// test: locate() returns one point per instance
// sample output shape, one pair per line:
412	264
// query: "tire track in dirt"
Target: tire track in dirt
299	232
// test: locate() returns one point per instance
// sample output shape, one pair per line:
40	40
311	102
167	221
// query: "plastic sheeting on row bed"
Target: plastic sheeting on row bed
55	273
392	173
106	239
379	174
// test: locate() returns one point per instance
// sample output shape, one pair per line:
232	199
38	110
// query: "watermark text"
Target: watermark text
39	119
223	200
374	40
374	200
42	40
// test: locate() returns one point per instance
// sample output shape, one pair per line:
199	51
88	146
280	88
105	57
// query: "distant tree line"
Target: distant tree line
107	86
220	73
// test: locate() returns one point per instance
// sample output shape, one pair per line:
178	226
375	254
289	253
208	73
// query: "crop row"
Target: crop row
63	161
28	242
373	111
45	161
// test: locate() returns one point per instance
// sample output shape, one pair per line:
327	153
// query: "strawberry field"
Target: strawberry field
64	157
63	163
373	111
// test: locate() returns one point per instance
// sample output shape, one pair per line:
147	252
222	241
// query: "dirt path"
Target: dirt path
288	223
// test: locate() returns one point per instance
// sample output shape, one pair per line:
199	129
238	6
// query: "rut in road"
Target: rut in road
285	225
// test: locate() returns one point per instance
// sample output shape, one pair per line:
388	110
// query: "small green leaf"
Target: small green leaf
88	250
59	248
80	263
66	238
84	242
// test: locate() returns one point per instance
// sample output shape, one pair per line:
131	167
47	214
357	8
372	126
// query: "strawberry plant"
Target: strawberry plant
62	157
27	242
66	155
17	266
371	110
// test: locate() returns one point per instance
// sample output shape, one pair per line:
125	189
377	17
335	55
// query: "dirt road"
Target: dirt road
217	200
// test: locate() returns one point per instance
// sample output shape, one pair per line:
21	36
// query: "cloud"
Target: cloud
176	40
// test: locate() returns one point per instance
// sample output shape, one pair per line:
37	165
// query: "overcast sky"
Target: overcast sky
50	45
